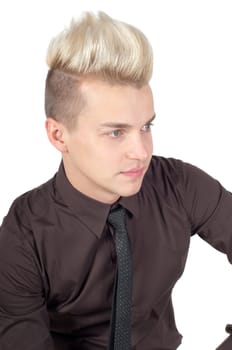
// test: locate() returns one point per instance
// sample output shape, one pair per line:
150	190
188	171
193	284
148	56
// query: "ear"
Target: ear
55	132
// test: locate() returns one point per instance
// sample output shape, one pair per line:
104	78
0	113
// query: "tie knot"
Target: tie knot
117	218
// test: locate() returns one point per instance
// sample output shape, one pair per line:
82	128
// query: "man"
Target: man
58	254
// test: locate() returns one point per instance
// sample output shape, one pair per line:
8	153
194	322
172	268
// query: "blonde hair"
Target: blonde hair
99	46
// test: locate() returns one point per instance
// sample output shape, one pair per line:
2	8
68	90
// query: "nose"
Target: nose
139	147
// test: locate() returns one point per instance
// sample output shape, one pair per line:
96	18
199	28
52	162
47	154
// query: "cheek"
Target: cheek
98	152
150	143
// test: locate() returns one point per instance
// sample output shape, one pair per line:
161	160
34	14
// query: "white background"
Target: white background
192	86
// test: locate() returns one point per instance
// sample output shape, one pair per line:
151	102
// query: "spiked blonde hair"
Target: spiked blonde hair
94	45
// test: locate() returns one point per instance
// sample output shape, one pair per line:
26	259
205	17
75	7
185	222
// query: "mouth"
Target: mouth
135	172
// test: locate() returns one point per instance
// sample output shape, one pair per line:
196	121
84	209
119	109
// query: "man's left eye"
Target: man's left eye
147	127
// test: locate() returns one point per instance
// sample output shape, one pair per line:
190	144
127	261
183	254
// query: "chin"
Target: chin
130	191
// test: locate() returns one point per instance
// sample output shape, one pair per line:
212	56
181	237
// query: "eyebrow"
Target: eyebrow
123	125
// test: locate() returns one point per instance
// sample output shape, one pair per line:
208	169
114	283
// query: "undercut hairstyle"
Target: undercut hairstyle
95	46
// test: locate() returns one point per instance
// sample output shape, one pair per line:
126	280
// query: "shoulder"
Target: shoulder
32	203
175	169
162	169
171	175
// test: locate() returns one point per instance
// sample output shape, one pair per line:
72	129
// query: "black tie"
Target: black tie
120	335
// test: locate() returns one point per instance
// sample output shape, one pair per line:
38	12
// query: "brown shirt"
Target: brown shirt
57	258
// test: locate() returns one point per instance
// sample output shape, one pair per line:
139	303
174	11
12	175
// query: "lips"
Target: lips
134	172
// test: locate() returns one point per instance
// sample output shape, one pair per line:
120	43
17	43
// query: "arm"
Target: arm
24	323
209	209
227	344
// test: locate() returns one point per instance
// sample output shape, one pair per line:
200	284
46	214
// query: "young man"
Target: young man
58	253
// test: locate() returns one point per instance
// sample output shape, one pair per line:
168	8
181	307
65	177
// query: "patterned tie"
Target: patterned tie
120	337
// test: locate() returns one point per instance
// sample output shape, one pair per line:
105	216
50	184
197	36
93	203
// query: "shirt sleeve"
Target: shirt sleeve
208	206
24	322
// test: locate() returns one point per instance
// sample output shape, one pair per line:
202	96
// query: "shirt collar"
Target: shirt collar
131	204
90	211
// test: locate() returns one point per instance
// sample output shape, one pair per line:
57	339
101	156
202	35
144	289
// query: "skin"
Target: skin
96	156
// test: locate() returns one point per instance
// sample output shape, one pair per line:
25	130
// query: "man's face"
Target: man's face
109	151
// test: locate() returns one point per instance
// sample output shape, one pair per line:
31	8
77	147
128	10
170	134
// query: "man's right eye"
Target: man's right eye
115	133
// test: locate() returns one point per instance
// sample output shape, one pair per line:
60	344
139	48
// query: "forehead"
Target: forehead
106	102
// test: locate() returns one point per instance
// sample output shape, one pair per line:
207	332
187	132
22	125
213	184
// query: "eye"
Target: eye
147	127
115	133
